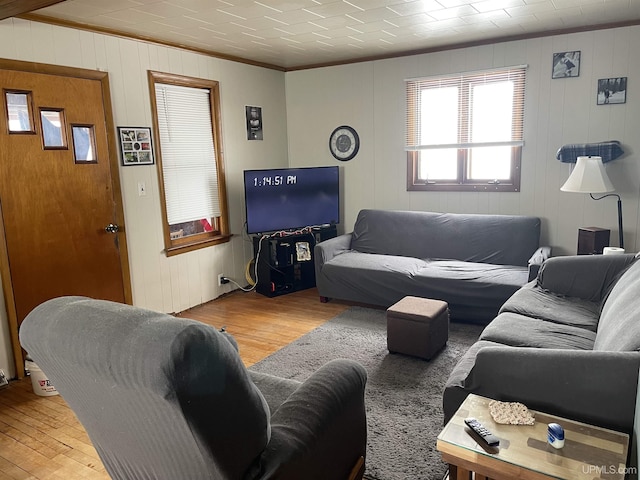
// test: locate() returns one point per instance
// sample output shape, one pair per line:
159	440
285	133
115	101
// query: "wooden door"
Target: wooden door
58	193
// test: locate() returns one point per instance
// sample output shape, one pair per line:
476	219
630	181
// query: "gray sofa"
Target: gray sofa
473	262
566	343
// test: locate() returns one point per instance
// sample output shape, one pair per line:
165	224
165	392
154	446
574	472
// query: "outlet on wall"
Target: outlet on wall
222	279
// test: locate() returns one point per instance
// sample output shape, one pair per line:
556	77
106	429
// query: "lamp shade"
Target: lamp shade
588	176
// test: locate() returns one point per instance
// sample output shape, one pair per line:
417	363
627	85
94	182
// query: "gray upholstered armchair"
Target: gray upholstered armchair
169	398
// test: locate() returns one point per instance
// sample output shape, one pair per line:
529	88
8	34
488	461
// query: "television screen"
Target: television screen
291	198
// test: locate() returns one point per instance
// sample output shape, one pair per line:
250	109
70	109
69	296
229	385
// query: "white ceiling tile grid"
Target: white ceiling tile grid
293	34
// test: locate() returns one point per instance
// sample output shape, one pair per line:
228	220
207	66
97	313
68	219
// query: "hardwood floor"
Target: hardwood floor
40	437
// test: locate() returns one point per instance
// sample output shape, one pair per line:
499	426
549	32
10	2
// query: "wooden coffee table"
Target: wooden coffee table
589	452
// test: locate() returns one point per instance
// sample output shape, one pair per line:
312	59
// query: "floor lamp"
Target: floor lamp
589	176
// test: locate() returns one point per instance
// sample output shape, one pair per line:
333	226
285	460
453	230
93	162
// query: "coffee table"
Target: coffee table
589	452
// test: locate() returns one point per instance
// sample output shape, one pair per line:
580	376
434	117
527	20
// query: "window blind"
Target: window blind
511	78
188	153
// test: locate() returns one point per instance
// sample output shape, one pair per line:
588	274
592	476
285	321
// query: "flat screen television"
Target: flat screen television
291	198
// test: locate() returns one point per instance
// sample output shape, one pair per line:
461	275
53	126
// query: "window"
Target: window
465	131
84	143
189	161
54	129
19	111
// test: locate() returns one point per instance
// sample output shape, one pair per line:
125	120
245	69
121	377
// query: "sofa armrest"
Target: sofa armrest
326	250
320	431
536	261
596	387
584	276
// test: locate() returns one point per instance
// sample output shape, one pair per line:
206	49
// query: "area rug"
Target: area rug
403	395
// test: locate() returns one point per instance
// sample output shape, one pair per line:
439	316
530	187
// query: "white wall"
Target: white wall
182	281
371	98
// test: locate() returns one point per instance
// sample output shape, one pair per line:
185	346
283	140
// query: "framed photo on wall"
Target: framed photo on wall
566	64
135	146
612	90
254	122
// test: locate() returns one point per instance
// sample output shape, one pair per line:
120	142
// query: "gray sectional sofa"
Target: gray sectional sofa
473	262
567	343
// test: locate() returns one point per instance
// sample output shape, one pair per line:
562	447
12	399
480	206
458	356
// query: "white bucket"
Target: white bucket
39	381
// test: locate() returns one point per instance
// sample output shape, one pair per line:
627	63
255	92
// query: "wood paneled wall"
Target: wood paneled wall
371	98
300	109
183	281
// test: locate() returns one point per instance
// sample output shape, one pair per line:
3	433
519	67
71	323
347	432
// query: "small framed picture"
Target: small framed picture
612	90
254	122
566	64
135	146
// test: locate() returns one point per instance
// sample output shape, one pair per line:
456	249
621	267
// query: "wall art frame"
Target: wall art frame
611	91
136	146
253	117
566	64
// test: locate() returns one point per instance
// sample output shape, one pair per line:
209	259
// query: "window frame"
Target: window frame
463	183
30	111
220	225
92	142
63	128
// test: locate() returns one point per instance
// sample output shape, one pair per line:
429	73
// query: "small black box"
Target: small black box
592	240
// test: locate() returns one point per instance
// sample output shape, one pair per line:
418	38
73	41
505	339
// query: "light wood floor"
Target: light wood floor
40	437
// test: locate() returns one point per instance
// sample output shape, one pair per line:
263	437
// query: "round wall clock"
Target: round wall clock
344	143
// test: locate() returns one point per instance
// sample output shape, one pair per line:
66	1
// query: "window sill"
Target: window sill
189	247
456	187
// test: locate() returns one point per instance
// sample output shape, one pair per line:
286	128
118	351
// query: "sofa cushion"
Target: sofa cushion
474	291
585	276
472	282
533	301
619	327
496	239
359	267
520	331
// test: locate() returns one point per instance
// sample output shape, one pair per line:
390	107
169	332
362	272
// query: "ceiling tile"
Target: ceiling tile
454	12
415	8
490	5
532	9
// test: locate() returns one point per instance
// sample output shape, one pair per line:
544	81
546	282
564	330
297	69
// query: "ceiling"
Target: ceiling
293	34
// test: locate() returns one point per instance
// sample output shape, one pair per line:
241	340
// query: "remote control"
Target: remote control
486	436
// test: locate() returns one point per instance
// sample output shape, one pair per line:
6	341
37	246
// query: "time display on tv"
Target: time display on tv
291	198
274	180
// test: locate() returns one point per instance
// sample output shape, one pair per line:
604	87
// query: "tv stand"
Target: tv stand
284	260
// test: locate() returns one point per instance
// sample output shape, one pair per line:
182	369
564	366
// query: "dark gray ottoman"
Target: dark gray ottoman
417	326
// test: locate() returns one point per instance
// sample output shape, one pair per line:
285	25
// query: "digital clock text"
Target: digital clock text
275	180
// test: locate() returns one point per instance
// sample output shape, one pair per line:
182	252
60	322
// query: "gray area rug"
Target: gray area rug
403	395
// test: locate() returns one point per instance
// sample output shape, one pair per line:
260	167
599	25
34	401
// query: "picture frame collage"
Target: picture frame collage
136	146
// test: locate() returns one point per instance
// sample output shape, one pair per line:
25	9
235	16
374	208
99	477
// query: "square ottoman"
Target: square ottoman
417	326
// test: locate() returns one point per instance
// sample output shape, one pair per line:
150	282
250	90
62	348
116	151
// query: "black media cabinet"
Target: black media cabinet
285	261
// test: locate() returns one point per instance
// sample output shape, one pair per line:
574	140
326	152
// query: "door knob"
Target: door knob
111	228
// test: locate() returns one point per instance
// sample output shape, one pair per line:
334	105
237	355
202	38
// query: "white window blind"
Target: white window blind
188	153
466	110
